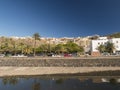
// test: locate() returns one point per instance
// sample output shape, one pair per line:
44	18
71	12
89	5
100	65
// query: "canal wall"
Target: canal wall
57	66
61	62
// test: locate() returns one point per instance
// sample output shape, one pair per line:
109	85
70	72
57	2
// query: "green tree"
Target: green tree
110	47
101	48
60	48
43	48
14	46
5	46
73	47
27	49
36	37
22	47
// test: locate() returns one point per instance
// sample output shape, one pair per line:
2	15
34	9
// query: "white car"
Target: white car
2	55
19	56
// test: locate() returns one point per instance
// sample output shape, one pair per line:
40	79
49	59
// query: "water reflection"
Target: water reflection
10	80
113	81
36	85
60	83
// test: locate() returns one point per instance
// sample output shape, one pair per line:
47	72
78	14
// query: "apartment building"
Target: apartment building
103	41
116	42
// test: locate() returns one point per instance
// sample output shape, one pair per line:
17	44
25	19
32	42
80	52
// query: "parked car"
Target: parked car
2	55
50	54
105	54
56	56
67	55
19	55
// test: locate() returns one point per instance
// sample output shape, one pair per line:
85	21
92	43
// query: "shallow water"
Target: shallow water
60	83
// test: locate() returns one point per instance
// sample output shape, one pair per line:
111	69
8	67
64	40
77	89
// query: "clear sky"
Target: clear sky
59	18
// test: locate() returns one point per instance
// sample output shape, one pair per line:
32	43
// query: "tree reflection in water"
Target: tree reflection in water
113	81
36	85
59	81
10	80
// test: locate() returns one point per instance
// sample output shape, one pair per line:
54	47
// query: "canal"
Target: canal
60	83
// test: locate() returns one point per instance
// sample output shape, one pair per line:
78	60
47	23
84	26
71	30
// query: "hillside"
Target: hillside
114	35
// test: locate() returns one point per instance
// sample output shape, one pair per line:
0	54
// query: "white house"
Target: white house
96	43
116	42
102	41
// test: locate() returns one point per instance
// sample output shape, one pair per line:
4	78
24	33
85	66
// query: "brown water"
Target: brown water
60	83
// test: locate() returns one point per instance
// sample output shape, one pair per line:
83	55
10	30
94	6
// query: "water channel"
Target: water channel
60	83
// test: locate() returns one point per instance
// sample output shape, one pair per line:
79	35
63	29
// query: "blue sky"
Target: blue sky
59	18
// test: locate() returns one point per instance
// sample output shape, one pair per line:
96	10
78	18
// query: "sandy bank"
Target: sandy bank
11	71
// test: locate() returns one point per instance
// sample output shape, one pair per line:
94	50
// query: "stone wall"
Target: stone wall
60	62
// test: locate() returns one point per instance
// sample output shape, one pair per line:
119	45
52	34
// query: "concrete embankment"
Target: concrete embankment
42	66
13	71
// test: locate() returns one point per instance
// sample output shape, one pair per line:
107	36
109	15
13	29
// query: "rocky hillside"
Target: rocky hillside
114	35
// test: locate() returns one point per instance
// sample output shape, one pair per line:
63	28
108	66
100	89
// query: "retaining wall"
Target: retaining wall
60	62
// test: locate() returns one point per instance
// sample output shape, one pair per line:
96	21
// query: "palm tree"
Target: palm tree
101	48
27	49
110	47
13	46
22	46
36	37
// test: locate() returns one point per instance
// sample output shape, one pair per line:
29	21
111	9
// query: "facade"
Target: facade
116	42
96	43
103	41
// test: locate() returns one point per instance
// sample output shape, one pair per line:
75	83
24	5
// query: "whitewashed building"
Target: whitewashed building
116	42
102	41
96	43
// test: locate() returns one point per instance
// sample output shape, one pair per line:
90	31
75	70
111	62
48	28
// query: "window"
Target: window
117	47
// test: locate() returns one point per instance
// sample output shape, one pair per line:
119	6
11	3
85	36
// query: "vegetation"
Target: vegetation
102	48
109	47
33	46
60	48
115	35
36	36
69	47
94	37
72	47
